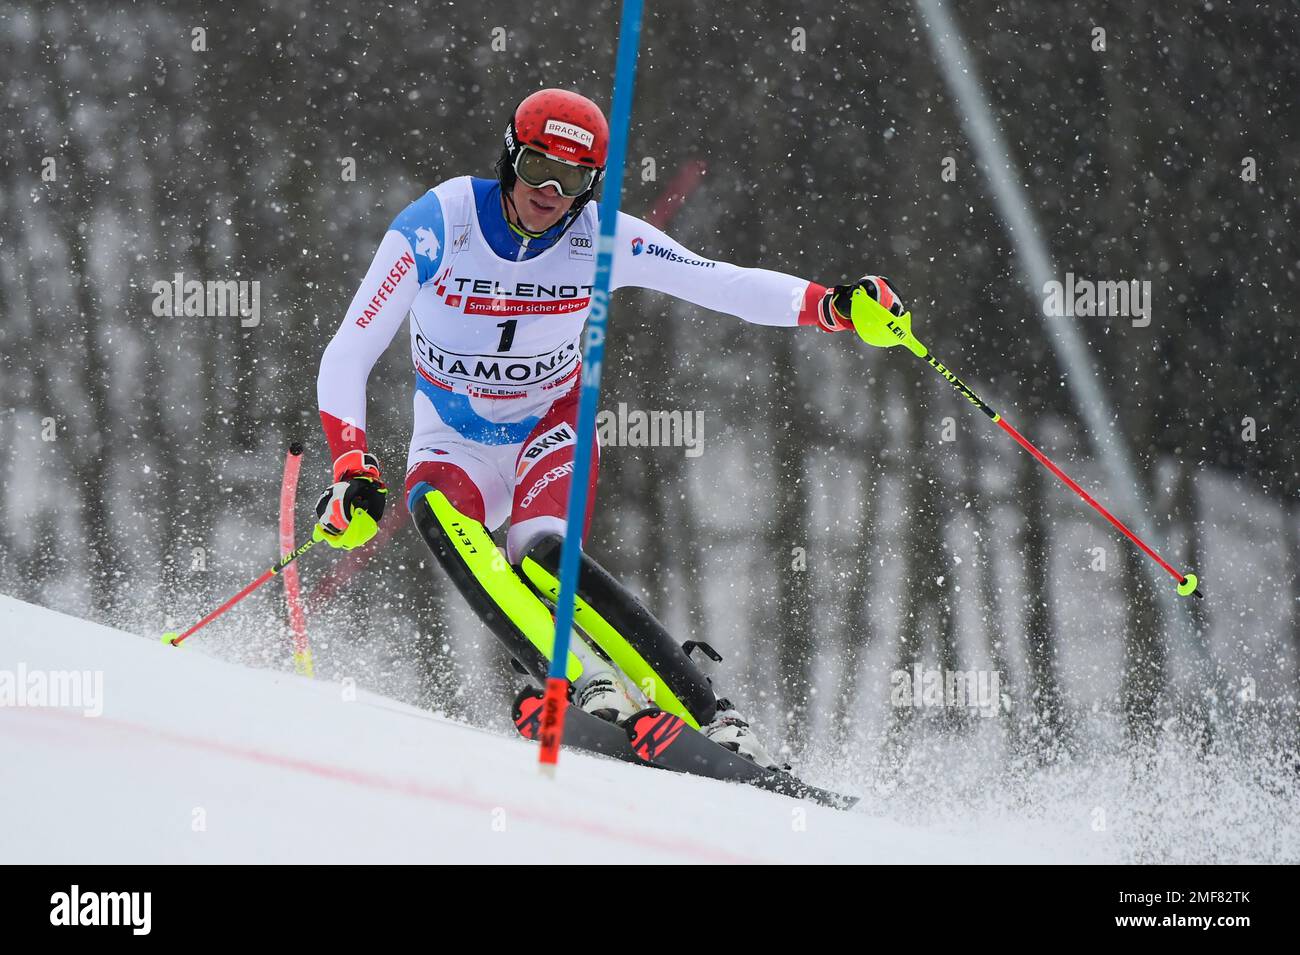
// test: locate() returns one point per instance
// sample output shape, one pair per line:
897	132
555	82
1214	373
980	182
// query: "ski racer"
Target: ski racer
496	277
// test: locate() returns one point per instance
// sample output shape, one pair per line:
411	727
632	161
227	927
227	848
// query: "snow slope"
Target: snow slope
197	760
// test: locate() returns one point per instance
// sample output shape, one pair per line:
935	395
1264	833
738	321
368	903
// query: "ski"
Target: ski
665	740
581	729
655	738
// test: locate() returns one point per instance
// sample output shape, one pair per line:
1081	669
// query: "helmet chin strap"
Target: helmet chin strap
522	235
516	223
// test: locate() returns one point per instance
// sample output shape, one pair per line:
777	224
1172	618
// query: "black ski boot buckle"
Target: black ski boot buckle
691	645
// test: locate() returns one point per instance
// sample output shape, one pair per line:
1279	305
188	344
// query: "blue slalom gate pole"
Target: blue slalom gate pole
593	354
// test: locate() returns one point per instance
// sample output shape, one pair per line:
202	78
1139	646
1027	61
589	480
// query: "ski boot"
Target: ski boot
602	696
599	690
730	731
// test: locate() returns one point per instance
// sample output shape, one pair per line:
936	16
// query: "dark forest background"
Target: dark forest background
828	534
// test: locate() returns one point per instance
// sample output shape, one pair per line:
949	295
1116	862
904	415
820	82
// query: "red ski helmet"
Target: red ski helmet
562	124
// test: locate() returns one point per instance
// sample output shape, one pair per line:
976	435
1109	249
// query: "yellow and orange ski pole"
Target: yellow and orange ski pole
877	326
175	639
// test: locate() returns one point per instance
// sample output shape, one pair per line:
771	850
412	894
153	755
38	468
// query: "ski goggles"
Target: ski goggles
538	170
